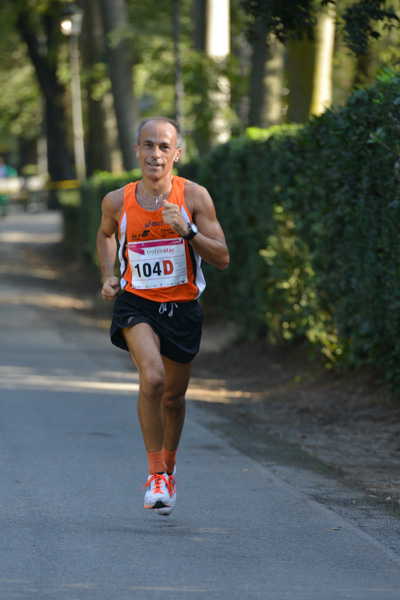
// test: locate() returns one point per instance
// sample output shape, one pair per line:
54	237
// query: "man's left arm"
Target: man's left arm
209	242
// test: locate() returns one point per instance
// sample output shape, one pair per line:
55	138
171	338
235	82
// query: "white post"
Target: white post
217	46
77	121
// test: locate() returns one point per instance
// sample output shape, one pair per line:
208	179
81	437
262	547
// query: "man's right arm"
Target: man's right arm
107	244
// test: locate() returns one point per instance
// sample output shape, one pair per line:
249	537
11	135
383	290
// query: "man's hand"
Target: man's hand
172	216
110	289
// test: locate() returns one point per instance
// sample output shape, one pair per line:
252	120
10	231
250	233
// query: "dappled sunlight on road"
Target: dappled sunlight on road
43	300
65	380
24	237
215	390
36	272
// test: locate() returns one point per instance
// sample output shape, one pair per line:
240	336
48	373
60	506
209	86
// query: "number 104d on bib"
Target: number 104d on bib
157	263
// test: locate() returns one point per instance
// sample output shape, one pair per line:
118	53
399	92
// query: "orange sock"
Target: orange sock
170	459
156	462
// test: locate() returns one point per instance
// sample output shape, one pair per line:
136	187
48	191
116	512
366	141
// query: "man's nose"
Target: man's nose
156	151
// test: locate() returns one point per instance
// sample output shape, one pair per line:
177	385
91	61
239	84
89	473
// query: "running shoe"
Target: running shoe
157	494
172	492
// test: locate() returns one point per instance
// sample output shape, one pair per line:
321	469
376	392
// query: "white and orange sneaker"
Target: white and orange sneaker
167	510
157	494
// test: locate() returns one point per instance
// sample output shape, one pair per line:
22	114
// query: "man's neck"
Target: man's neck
156	187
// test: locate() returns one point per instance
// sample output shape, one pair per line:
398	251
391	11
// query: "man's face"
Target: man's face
157	149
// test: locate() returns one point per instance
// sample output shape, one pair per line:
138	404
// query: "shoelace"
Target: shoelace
171	485
164	307
158	479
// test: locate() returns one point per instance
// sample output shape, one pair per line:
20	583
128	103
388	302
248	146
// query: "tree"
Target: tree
120	65
310	69
99	144
40	31
266	81
296	18
21	110
212	38
179	89
308	30
217	47
361	20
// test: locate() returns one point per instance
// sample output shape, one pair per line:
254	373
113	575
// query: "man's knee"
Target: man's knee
173	401
152	382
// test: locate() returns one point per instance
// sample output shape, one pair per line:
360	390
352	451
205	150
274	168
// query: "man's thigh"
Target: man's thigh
144	346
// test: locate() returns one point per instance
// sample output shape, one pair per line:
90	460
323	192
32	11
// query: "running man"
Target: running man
166	225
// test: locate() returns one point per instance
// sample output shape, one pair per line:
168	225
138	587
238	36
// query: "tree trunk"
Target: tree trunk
266	82
179	90
120	67
58	152
217	47
92	48
310	70
364	71
199	18
325	40
301	63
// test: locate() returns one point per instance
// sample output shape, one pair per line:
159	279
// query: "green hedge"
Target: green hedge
312	216
82	210
347	205
312	221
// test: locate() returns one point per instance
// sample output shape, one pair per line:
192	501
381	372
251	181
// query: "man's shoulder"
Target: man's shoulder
116	197
194	190
113	203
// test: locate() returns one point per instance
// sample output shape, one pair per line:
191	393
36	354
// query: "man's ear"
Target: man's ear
137	150
177	154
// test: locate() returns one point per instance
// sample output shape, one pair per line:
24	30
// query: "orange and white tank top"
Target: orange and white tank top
157	263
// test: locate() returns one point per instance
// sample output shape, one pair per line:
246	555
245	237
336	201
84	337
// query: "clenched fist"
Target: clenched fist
110	289
173	217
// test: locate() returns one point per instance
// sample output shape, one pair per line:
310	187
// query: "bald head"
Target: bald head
163	120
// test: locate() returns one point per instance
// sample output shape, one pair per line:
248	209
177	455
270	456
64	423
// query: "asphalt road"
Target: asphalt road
72	460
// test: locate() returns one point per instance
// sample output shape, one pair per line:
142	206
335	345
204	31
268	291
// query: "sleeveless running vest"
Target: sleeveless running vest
157	263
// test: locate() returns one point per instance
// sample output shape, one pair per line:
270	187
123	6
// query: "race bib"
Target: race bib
157	263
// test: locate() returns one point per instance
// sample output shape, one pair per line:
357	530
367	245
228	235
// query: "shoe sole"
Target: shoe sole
166	511
158	504
163	511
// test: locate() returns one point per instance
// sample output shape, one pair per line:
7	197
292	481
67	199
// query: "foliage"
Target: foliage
284	19
149	35
312	218
347	208
151	41
20	108
360	22
296	18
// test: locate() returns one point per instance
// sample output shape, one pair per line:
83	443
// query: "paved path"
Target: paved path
72	464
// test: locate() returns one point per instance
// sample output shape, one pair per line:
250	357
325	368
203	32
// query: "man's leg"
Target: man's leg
173	400
177	380
144	347
161	410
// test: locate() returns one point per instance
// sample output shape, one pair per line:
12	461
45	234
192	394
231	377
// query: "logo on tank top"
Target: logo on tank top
154	224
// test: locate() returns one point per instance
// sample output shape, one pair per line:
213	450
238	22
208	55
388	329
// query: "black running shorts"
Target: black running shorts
177	324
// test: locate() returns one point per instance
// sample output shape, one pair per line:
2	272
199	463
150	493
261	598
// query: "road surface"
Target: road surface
73	526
